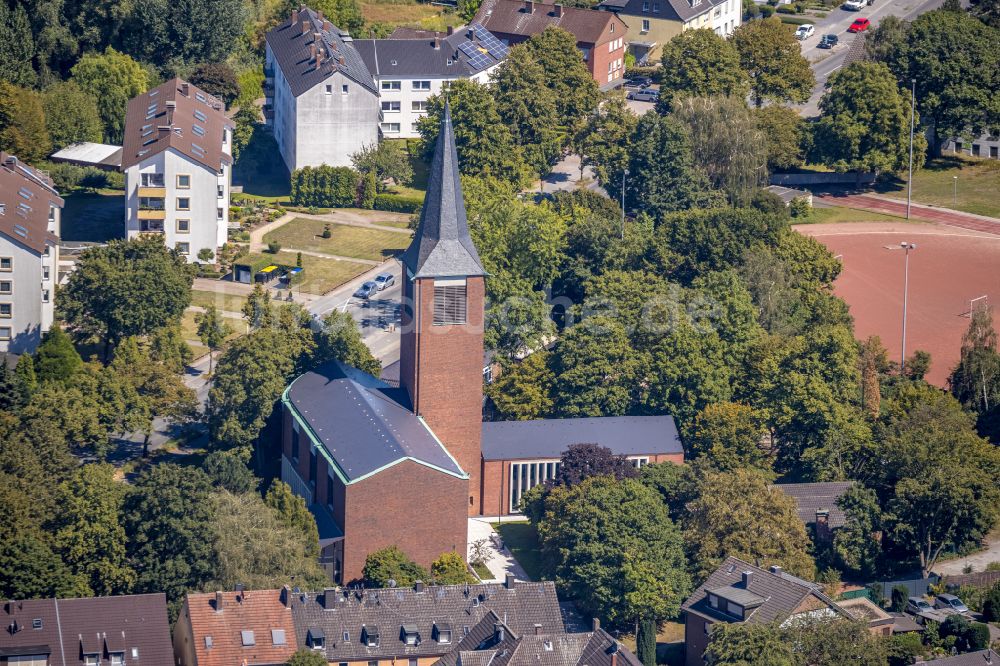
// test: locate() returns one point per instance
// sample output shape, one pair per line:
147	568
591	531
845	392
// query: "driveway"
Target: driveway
978	561
565	176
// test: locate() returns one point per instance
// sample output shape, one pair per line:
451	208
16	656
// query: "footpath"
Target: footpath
881	204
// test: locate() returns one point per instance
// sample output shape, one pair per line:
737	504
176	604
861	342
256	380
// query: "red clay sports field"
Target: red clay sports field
949	267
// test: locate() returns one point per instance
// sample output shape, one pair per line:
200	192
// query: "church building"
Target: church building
406	465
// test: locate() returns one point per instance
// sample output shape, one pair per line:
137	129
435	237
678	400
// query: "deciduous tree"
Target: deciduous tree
112	78
71	115
293	512
22	123
604	142
700	63
218	79
389	566
523	391
784	134
772	57
17	45
570	84
213	330
340	339
729	435
450	569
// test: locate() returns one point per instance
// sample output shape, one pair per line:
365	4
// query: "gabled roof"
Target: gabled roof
986	657
549	438
512	17
813	497
779	594
177	115
460	54
362	423
463	607
218	629
309	49
25	198
670	10
66	628
442	246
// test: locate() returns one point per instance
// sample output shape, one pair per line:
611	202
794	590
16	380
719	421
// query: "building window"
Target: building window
450	303
221	191
4	332
91	660
329	90
392	107
45	295
313	465
639	462
645	25
183	248
612	26
391	85
412	662
656	8
295	442
390	128
345	89
151	179
45	272
418	106
183	181
220	213
329	491
6	310
183	226
645	6
183	203
525	476
247	638
6	264
6	287
421	85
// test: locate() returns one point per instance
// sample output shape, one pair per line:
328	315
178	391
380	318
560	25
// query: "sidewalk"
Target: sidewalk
500	563
883	204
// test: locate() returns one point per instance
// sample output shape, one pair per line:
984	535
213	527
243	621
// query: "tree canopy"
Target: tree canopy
700	63
772	57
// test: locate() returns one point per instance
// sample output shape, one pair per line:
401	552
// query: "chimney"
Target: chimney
329	598
529	7
538	629
418	587
286	596
508	581
557	10
218	601
186	89
312	53
305	28
614	654
823	524
451	30
295	16
319	15
595	624
436	43
498	632
747	577
775	569
327	26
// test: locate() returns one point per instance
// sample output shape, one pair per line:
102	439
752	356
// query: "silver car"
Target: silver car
950	602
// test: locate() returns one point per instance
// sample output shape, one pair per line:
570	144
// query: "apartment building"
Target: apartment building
177	159
30	210
408	71
653	23
600	36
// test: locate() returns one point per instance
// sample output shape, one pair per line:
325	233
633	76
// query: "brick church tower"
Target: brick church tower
441	346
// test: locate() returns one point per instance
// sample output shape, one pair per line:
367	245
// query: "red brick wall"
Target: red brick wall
600	57
408	505
442	369
695	640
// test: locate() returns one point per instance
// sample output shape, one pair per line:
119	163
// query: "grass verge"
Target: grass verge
482	572
836	214
321	275
963	183
344	240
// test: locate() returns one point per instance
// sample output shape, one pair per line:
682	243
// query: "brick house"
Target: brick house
405	463
600	36
129	629
817	505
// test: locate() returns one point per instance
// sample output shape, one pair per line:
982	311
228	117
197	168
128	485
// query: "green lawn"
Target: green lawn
321	275
189	329
482	572
345	240
522	540
836	214
228	302
978	185
93	217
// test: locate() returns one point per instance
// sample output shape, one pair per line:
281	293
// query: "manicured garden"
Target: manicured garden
320	275
344	240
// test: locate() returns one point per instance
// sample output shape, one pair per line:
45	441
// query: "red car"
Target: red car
859	25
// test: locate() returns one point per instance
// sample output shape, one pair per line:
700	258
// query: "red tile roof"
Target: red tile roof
258	611
511	17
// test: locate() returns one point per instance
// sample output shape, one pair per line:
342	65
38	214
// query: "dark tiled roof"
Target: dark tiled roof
429	56
510	17
152	125
363	424
901	623
441	246
258	611
782	593
813	497
670	10
549	438
979	658
309	50
523	605
65	628
25	197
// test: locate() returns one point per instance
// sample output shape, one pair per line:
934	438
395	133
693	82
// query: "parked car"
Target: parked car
859	25
384	280
853	5
828	41
644	95
805	31
917	605
638	82
950	602
366	290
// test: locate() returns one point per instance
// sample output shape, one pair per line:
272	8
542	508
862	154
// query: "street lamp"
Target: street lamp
906	289
909	181
624	173
954	179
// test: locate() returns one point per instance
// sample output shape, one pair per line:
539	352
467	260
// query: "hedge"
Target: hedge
325	186
398	203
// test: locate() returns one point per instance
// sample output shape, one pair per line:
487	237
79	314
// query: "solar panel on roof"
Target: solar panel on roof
477	59
497	49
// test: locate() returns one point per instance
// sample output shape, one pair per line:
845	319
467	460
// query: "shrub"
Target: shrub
799	207
66	176
391	564
991	605
785	9
903	649
114	180
274	247
398	203
205	254
450	569
324	186
766	11
900	593
326	231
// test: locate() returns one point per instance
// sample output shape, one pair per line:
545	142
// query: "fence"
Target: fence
826	178
981	579
917	586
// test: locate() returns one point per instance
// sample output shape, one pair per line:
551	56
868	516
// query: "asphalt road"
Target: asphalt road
826	62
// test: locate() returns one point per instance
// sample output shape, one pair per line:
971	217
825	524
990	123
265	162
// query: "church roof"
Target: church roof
363	424
442	246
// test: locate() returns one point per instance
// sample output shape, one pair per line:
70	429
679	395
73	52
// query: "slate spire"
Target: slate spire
442	246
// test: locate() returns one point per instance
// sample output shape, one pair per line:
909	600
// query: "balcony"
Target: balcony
152	214
150	226
153	192
151	180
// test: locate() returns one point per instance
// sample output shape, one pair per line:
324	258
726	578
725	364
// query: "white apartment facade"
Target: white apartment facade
177	160
30	218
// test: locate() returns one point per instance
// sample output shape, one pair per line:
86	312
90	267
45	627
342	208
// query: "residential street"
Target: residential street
826	62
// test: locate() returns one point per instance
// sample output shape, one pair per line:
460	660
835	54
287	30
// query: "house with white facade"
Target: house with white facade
409	71
320	99
30	211
653	23
177	159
